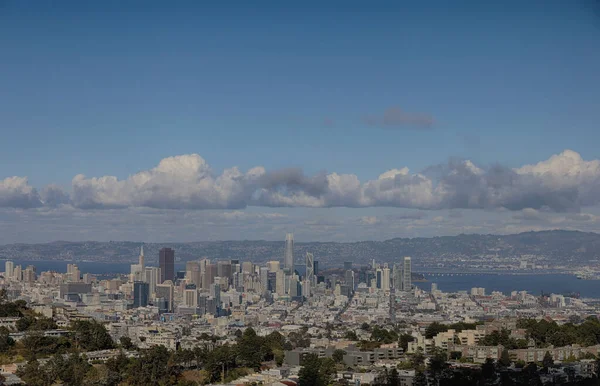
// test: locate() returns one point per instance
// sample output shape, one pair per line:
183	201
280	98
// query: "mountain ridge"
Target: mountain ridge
553	246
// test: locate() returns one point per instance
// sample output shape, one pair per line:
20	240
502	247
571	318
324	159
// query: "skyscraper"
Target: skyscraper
310	268
406	276
224	270
141	259
166	262
192	273
397	276
152	277
9	268
385	285
167	293
273	266
288	261
140	294
349	279
310	280
210	272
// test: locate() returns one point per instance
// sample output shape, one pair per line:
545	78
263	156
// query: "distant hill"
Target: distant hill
568	247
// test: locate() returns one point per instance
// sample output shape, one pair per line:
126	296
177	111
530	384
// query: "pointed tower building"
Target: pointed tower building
141	262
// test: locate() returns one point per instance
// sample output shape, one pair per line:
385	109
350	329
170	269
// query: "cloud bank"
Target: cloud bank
563	183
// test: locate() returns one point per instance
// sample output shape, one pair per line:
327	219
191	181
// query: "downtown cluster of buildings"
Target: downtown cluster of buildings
158	305
210	287
205	286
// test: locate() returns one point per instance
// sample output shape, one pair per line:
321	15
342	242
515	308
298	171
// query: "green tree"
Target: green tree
91	335
530	375
313	372
338	355
126	343
250	349
351	335
151	368
6	342
34	375
547	362
71	370
404	340
38	345
117	368
504	360
417	359
297	339
393	378
11	309
488	370
435	328
438	363
420	379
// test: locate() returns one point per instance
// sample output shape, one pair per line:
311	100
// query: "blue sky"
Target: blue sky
105	88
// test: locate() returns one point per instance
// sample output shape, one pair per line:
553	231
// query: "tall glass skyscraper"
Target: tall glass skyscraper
310	267
406	282
288	260
166	262
140	294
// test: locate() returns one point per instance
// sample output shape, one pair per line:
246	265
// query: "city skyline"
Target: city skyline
300	193
198	122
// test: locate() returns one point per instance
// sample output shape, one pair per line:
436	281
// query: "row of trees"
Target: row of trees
83	336
11	309
503	338
439	372
155	366
546	333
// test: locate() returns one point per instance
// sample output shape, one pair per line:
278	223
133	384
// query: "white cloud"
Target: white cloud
564	182
17	193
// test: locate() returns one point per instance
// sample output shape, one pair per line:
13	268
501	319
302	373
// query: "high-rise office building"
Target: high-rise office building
141	261
247	267
379	278
386	278
310	268
215	292
406	275
136	274
310	280
347	265
18	273
9	268
210	272
190	298
73	273
225	270
152	277
273	266
288	261
29	274
166	262
349	279
295	289
140	294
397	277
203	263
192	273
264	278
167	293
280	283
